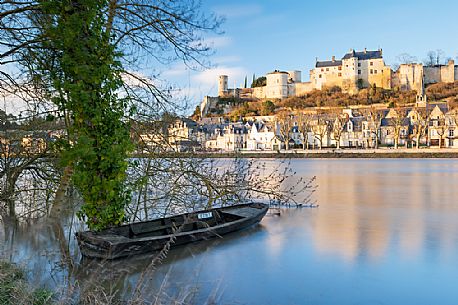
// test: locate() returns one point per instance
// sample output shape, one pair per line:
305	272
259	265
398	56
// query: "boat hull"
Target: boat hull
109	245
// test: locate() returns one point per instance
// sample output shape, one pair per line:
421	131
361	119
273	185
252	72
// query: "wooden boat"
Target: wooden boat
151	236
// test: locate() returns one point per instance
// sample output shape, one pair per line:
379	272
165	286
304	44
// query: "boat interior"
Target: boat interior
181	223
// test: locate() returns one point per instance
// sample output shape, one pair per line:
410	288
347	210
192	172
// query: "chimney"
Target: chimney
381	51
365	50
333	58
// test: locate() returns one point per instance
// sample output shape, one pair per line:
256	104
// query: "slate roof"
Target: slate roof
357	124
329	63
364	55
391	122
442	106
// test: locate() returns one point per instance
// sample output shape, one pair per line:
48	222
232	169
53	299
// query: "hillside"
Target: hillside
334	97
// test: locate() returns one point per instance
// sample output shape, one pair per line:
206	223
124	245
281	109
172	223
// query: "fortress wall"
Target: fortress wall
409	77
432	75
448	72
304	88
259	92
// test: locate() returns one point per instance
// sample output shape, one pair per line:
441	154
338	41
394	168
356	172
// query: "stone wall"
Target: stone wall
303	88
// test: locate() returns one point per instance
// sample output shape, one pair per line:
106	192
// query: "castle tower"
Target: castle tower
222	85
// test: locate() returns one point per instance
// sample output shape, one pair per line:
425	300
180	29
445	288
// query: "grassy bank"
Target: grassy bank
14	289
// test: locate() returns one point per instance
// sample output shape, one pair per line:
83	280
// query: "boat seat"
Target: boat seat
242	212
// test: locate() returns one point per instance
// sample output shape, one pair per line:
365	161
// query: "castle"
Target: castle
356	70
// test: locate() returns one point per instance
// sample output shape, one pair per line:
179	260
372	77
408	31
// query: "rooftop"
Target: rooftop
364	55
329	63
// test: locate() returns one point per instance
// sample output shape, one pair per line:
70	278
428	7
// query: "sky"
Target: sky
263	35
260	36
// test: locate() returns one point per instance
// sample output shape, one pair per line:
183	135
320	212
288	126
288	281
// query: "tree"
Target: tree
434	57
406	58
246	80
268	108
420	122
284	125
91	82
303	124
338	125
398	120
320	127
430	58
259	82
441	130
374	121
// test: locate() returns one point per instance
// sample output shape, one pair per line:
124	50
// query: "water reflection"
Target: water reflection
385	233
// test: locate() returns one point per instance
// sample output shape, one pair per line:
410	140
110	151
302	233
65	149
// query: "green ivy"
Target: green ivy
87	77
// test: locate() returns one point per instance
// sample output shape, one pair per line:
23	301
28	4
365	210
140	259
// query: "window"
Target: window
451	133
359	64
319	76
371	63
372	71
375	71
340	74
322	69
359	72
327	69
340	68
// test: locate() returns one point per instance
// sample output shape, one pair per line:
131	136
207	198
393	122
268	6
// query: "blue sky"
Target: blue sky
260	36
263	35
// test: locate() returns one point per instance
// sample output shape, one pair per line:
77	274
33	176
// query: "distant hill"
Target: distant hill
334	97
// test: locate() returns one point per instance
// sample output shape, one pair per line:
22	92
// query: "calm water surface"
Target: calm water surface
386	232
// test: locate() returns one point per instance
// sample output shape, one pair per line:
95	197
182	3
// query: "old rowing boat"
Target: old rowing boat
151	236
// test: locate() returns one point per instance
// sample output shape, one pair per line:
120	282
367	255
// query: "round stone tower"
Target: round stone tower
295	76
222	85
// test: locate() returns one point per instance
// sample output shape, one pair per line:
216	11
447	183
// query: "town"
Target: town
417	123
398	112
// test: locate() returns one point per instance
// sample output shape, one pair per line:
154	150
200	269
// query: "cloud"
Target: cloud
226	59
216	42
177	70
238	11
210	77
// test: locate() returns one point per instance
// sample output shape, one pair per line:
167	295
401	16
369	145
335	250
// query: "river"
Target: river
386	232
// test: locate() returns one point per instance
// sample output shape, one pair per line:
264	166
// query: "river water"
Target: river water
386	232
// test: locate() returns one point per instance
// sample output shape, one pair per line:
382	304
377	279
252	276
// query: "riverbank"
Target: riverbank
323	153
14	288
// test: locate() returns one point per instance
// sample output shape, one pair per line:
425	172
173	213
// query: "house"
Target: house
394	131
261	136
183	135
452	129
230	137
437	129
